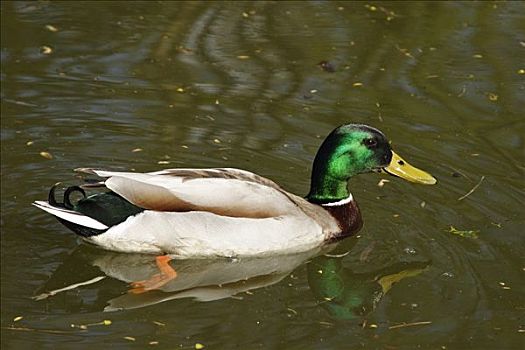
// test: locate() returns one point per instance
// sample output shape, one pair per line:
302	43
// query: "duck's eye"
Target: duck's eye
370	142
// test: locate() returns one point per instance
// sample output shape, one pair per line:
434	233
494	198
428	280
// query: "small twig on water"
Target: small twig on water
403	325
73	286
53	331
473	189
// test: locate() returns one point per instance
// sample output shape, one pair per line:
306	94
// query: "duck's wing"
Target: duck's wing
223	191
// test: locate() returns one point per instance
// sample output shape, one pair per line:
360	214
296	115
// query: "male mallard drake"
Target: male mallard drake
230	212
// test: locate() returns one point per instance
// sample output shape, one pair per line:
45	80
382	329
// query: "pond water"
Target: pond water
150	85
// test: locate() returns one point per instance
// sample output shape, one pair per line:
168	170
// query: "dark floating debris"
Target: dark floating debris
326	66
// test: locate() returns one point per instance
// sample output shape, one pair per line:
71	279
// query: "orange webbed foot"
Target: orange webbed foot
167	273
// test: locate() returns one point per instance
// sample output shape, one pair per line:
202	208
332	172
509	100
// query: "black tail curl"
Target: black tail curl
67	204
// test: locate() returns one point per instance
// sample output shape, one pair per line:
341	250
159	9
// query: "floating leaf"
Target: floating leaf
46	50
129	338
492	96
17	318
464	233
199	346
51	28
382	182
46	155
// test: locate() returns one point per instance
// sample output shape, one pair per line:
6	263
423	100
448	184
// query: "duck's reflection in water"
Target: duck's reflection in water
343	293
350	295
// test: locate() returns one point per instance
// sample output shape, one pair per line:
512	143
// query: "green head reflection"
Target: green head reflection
347	295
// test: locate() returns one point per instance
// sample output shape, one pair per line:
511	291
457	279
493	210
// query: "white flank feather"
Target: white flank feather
70	216
204	234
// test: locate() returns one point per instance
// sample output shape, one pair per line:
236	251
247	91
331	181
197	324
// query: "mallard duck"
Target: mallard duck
230	212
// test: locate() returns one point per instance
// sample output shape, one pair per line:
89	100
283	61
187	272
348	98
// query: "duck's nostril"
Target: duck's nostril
400	162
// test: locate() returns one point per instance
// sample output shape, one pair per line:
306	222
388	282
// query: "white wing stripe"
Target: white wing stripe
70	216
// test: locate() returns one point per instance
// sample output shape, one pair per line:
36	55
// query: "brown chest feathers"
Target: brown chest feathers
348	217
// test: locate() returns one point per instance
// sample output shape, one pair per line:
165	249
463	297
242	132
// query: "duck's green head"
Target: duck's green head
353	149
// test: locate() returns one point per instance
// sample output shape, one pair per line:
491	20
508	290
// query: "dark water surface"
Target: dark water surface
151	85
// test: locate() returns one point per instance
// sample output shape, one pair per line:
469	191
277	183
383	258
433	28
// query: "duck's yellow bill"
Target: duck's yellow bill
399	167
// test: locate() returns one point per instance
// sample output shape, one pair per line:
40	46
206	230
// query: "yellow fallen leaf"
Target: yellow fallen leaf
46	155
46	50
51	28
199	346
492	96
129	338
17	318
382	182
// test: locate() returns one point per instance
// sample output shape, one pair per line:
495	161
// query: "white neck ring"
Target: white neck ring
341	202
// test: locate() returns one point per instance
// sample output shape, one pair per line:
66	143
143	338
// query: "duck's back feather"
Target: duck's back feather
228	192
